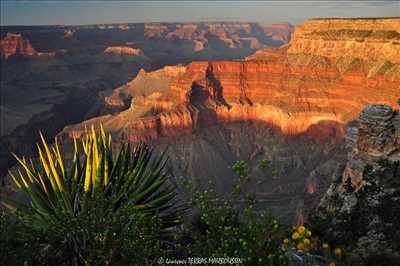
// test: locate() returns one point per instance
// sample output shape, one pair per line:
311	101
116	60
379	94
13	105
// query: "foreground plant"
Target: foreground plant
230	226
97	196
306	248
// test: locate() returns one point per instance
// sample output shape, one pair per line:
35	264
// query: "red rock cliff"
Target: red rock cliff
123	50
368	39
15	44
289	88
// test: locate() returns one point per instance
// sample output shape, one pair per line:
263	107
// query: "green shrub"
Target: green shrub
17	242
367	230
125	237
98	207
232	227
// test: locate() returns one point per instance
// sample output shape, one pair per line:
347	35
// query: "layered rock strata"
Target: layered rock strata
294	98
13	43
318	82
374	137
367	39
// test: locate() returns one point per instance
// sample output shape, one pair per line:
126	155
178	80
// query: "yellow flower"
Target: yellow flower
332	264
306	242
301	230
286	241
295	235
308	233
337	252
325	246
300	246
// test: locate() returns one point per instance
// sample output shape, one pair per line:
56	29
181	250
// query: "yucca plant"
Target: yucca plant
134	178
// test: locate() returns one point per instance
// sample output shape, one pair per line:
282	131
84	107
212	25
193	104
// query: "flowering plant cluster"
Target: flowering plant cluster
304	246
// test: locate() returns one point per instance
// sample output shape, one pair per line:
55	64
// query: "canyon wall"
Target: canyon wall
375	136
367	39
210	114
361	205
279	91
62	66
15	44
232	34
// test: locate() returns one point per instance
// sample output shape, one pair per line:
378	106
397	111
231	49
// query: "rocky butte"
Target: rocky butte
361	205
13	43
316	84
123	50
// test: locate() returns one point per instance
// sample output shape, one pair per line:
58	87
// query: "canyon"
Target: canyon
48	69
285	87
220	96
304	94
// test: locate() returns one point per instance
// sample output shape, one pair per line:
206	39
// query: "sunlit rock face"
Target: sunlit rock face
293	98
15	44
367	39
80	66
123	50
212	113
318	79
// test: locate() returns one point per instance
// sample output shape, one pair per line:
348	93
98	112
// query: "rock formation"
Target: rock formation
232	34
295	92
366	39
375	136
84	76
15	44
211	113
360	208
123	50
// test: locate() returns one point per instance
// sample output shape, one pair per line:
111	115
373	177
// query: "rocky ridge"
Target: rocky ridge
375	136
232	34
15	44
360	208
366	39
